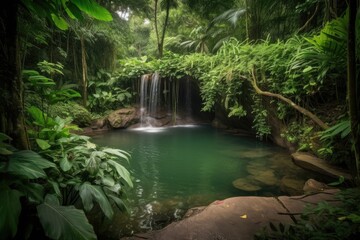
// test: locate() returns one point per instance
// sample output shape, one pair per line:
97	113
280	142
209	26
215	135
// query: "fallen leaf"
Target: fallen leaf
244	216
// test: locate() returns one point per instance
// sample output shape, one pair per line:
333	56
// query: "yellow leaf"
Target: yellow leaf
244	216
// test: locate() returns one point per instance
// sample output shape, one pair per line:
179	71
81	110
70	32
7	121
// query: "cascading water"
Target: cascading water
154	94
165	101
143	97
149	98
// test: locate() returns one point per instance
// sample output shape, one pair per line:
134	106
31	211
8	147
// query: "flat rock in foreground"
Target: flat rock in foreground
236	218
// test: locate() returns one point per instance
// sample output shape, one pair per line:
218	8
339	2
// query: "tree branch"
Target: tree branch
302	110
309	20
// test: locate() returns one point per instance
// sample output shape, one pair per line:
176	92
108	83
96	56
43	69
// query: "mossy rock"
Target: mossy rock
292	186
80	115
246	184
267	177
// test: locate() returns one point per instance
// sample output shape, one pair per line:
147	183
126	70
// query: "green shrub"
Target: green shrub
79	115
323	221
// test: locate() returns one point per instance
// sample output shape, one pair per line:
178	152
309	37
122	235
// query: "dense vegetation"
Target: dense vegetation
288	66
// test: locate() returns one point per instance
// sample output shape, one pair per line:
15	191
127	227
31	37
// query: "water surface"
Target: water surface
177	168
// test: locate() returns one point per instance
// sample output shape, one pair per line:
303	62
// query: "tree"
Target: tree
12	110
302	110
11	87
353	89
160	36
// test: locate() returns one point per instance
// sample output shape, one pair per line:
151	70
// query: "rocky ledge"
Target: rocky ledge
237	218
312	163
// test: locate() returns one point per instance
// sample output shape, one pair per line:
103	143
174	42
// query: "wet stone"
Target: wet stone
246	184
291	186
267	177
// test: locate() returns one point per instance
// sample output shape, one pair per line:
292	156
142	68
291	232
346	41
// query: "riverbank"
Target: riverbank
237	218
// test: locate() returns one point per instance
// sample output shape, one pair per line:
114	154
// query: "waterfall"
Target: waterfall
149	98
165	101
154	94
144	82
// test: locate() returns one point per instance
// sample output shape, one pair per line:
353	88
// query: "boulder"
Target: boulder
312	186
237	218
291	186
100	123
123	118
256	167
267	177
312	163
246	184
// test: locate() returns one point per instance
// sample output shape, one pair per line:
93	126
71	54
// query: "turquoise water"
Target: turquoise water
177	168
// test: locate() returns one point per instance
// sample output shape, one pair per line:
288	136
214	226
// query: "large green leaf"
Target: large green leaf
4	137
43	144
28	164
123	173
59	22
342	128
93	9
93	163
5	151
10	208
40	118
64	222
33	191
108	181
118	153
65	164
56	188
90	193
72	10
119	203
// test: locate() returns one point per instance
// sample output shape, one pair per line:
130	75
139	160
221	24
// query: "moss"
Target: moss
80	115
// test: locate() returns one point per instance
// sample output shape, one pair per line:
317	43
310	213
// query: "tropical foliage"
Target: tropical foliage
66	168
322	221
275	63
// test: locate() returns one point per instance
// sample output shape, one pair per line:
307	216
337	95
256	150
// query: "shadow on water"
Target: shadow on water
177	168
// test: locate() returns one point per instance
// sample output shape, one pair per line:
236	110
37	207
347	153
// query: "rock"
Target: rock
100	123
161	122
246	184
312	163
256	168
237	218
291	186
123	118
312	186
267	177
256	153
282	160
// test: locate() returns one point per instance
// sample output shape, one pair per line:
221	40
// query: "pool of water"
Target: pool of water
177	168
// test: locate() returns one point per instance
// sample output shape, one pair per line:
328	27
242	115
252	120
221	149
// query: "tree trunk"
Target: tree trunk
160	40
302	110
84	83
247	20
12	120
161	47
352	89
156	25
